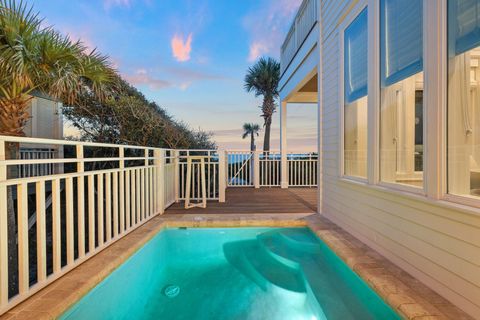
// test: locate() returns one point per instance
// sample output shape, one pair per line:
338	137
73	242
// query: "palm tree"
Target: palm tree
262	78
251	129
38	59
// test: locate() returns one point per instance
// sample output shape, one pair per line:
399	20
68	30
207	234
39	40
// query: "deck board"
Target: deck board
257	201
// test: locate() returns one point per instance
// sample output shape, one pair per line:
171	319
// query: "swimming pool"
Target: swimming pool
234	273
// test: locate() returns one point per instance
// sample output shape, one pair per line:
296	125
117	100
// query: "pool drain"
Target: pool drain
171	291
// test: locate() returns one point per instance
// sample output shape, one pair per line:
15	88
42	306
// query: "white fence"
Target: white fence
259	169
60	218
105	192
302	169
36	169
305	19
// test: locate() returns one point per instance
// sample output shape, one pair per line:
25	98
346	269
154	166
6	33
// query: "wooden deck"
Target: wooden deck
257	201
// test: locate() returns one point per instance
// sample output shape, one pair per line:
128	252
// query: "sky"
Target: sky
191	56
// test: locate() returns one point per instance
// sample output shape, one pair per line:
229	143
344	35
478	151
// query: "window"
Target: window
463	151
355	97
401	110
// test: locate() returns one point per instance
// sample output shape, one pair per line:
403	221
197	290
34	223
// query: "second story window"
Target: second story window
401	113
355	96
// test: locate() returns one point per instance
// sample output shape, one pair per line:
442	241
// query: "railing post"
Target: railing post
160	179
3	228
81	201
176	165
256	169
283	146
222	174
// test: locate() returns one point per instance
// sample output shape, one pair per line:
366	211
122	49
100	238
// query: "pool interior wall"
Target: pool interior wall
232	273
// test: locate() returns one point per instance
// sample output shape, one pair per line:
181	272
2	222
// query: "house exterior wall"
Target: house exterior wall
45	119
435	240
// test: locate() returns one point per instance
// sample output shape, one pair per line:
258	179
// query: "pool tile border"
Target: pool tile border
410	298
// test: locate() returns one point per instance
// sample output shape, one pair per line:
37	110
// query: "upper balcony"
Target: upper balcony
299	44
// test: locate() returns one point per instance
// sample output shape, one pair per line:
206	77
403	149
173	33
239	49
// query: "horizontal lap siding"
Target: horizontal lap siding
438	245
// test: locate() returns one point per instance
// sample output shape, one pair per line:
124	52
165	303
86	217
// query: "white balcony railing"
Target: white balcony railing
259	169
303	23
103	192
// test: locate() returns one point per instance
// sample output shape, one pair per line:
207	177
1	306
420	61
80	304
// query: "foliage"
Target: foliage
262	78
129	118
251	129
37	58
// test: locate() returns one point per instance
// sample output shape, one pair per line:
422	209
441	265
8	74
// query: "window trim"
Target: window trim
376	84
351	16
435	185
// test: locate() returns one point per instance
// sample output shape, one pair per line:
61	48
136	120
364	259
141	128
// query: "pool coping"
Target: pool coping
405	294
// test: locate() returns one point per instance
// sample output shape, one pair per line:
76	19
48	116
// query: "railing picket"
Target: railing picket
115	204
22	221
128	197
108	206
56	237
69	219
3	231
138	189
41	232
81	216
100	211
122	201
91	214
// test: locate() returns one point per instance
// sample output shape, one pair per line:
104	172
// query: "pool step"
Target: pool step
305	252
249	257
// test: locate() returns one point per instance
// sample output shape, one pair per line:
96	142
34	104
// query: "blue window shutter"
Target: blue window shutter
356	60
401	39
463	25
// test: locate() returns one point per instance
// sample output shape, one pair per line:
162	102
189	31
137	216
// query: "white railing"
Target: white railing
302	169
240	168
305	19
259	169
105	192
37	169
212	174
171	193
270	169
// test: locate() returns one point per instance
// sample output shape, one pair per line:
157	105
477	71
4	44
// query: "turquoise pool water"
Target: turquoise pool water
237	273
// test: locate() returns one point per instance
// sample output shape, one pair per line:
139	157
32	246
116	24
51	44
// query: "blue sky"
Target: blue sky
190	56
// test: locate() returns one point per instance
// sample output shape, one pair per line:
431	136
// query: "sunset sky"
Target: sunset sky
190	56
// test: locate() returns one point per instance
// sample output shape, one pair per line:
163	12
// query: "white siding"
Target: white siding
45	119
435	242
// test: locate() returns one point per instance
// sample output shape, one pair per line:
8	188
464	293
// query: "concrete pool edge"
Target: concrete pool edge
374	269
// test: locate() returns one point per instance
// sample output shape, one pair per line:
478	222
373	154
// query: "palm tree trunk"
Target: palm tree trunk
266	139
14	115
252	141
268	108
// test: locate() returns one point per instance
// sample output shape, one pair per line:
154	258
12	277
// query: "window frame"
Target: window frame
435	187
392	185
348	19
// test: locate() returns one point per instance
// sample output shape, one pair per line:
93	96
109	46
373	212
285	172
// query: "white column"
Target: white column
256	169
159	162
3	227
222	173
283	145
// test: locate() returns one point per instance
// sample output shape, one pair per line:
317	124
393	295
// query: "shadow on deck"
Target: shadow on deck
257	201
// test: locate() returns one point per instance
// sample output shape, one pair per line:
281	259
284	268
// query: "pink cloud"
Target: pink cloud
142	77
268	26
181	47
257	49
